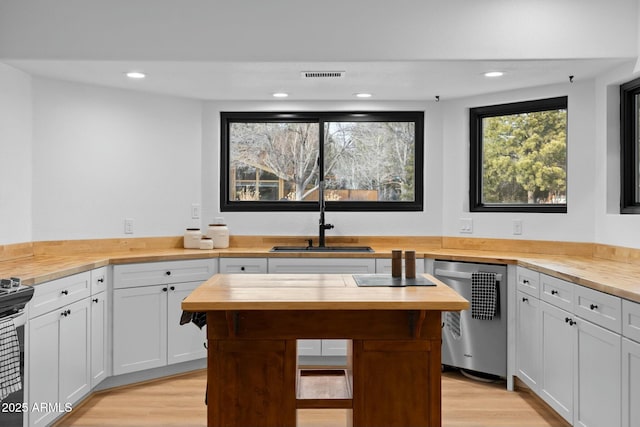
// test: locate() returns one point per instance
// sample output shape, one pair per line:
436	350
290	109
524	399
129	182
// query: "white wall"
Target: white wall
102	155
610	226
15	156
425	223
577	223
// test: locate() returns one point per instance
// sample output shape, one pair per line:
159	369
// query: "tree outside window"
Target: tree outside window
519	157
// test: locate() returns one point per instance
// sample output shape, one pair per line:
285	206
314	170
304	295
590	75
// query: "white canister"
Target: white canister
219	233
206	243
192	238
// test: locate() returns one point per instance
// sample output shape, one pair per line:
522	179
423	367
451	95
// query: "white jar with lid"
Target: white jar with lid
192	238
219	233
206	243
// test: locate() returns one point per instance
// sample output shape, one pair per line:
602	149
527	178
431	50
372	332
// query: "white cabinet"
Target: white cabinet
557	359
528	340
630	364
99	326
243	265
383	266
580	348
322	265
597	376
59	346
146	329
630	383
319	266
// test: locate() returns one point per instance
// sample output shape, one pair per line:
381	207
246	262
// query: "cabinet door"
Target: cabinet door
139	328
243	265
597	377
630	383
98	338
43	360
184	342
334	347
557	359
528	340
74	379
309	347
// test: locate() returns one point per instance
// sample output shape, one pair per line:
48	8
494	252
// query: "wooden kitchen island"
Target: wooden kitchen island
393	372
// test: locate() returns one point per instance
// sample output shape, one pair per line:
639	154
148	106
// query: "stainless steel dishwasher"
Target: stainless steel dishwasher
468	343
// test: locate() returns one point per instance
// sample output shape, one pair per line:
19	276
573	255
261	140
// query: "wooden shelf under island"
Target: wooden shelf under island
253	322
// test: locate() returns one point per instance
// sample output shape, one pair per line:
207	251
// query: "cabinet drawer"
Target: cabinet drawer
322	265
99	279
243	265
57	293
383	266
161	273
631	320
557	292
602	309
529	282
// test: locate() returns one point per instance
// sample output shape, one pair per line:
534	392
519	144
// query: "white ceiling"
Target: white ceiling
249	49
259	80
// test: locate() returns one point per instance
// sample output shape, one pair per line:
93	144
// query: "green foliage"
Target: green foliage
525	158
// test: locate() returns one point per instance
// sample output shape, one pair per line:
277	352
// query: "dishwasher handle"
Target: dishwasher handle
452	274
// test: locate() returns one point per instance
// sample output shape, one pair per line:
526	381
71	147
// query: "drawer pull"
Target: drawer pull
65	313
554	292
593	306
525	282
164	289
95	300
101	280
525	299
65	292
173	288
570	321
242	268
168	273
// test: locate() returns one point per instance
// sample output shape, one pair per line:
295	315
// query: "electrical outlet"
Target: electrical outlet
128	226
466	225
195	211
517	227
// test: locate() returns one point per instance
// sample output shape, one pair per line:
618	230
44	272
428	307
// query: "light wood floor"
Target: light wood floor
179	401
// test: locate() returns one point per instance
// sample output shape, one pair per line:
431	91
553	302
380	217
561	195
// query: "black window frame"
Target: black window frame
629	202
476	115
227	205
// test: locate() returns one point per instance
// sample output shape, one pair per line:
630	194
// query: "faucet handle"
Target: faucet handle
310	241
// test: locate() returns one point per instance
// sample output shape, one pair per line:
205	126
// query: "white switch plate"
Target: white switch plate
128	226
195	211
517	227
466	225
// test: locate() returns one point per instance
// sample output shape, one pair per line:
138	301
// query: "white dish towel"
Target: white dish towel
10	380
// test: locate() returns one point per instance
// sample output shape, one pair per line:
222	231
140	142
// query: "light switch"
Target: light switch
517	226
128	226
195	211
466	225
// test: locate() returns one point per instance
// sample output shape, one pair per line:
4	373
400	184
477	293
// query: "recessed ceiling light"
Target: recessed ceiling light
136	75
493	74
363	95
280	95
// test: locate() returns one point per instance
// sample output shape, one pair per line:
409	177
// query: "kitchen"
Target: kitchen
83	155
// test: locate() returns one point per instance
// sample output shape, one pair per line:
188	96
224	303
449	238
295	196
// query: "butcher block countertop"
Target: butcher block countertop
316	292
614	270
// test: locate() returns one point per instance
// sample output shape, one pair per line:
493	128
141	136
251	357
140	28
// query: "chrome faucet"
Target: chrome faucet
322	227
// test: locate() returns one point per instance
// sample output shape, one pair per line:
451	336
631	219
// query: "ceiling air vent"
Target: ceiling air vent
322	74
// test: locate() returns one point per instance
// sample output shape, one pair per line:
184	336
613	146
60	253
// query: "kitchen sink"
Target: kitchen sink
321	249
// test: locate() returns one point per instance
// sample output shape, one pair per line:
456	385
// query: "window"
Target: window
630	147
519	157
366	161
